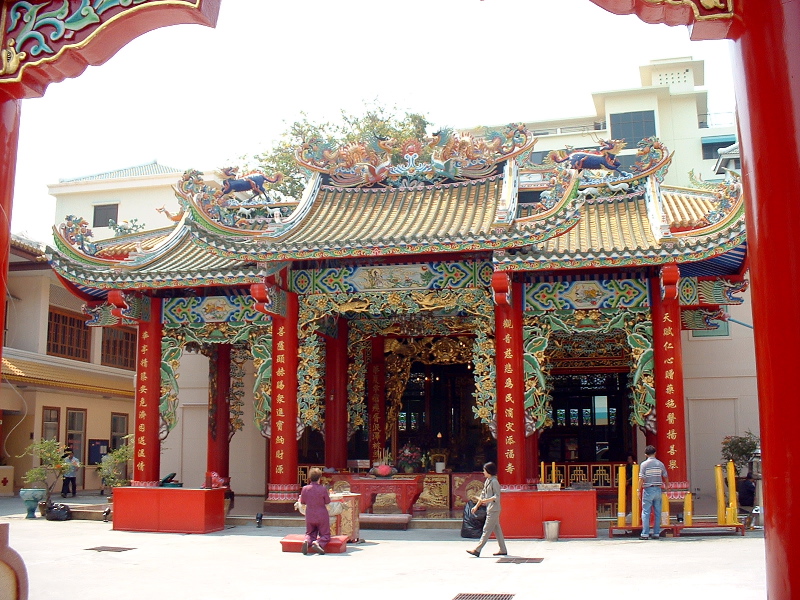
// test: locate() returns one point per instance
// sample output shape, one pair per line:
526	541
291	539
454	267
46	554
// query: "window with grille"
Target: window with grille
50	422
119	348
67	335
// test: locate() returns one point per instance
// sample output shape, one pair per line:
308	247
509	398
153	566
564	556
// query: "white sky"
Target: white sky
195	97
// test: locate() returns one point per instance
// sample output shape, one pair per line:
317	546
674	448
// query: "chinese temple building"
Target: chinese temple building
452	294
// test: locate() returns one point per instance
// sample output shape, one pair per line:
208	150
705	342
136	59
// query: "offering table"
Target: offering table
407	489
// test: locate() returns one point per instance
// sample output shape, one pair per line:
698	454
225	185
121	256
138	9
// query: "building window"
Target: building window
633	126
51	418
119	429
712	145
67	335
76	431
119	348
103	213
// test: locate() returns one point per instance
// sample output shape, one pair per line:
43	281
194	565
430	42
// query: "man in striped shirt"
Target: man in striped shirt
652	480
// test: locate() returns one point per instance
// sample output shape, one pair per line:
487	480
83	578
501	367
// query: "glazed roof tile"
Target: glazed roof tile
152	168
179	262
85	378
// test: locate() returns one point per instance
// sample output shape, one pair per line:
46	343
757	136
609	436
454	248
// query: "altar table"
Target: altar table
407	489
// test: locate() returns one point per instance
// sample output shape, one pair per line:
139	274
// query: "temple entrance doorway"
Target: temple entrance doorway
590	419
437	416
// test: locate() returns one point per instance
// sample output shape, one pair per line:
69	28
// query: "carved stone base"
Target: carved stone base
280	506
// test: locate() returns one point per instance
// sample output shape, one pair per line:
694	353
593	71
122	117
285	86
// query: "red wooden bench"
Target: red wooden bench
294	543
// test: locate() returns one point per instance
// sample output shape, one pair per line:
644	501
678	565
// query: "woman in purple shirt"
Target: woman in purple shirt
318	526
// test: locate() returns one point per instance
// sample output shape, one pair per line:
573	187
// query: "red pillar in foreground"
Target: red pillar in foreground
510	405
767	79
147	450
218	456
283	486
336	406
668	370
9	140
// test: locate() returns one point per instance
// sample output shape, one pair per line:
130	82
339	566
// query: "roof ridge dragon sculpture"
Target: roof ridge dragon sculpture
387	162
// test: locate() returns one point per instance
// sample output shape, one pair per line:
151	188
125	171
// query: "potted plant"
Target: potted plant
111	469
42	479
409	458
740	449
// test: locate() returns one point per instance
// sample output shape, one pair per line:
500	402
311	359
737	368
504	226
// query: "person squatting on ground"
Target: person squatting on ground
652	480
70	475
747	498
490	497
318	526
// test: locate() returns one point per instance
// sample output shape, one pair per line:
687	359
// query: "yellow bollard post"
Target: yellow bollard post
733	501
720	494
688	509
664	509
636	502
621	497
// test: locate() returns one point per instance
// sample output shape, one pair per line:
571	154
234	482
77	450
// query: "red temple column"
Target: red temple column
670	436
9	141
147	449
510	405
766	60
668	370
376	393
283	486
218	453
336	406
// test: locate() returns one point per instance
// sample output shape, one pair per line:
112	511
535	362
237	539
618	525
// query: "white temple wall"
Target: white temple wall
27	308
134	203
721	399
185	450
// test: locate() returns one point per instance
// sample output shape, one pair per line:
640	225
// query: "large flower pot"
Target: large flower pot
32	497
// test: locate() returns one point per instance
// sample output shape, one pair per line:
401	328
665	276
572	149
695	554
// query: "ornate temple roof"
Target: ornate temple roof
581	219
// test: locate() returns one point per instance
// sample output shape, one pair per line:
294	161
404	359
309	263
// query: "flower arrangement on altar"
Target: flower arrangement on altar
409	457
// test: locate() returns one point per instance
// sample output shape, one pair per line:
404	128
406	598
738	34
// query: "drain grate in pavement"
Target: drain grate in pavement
110	549
484	597
520	561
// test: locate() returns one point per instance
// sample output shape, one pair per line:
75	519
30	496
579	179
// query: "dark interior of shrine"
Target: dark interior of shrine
590	417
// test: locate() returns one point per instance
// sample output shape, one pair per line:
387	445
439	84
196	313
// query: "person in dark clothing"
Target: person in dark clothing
747	497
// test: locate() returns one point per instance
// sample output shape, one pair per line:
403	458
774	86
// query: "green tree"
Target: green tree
377	120
740	449
52	464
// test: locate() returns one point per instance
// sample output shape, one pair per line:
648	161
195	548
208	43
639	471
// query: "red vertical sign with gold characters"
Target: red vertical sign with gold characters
376	401
283	443
670	418
147	445
510	403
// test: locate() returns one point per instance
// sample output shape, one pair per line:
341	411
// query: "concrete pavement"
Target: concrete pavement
246	562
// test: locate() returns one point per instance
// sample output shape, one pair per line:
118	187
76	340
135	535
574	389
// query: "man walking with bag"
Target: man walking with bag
652	480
